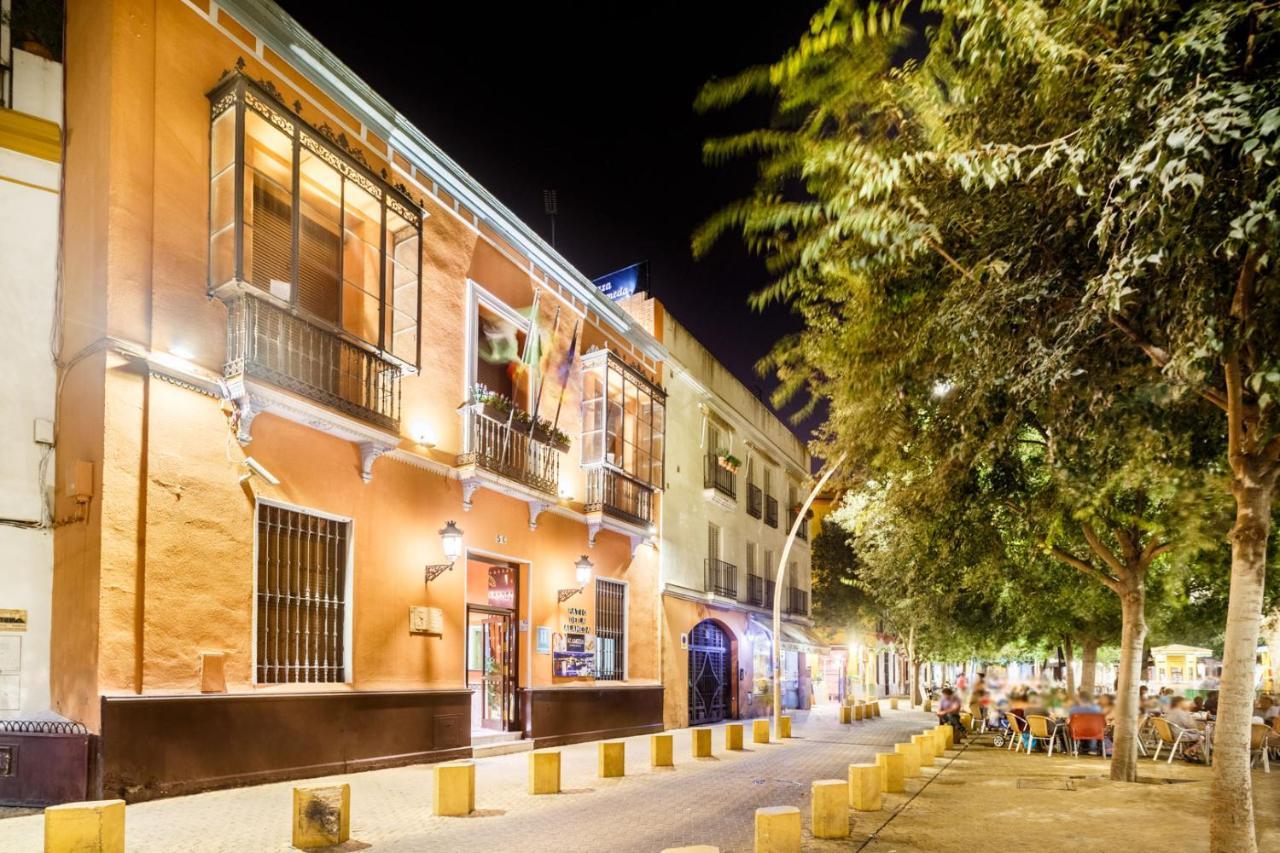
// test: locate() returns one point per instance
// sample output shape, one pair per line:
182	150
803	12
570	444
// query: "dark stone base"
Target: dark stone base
161	746
558	716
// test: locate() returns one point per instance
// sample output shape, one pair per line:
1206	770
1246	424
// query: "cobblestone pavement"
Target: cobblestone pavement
709	800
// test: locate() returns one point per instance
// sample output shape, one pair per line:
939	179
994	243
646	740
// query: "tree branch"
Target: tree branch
1160	358
1086	567
1107	555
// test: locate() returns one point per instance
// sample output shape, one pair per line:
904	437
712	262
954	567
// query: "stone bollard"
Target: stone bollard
454	793
760	730
911	755
661	751
544	771
846	714
701	743
830	808
859	711
91	827
613	758
939	742
875	708
893	704
778	830
321	816
733	736
784	727
864	787
893	771
948	735
924	743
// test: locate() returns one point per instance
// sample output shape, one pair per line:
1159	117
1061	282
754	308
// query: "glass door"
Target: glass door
491	671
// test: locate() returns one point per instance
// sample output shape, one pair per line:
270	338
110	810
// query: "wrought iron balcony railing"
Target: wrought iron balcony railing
797	601
269	343
509	452
755	500
722	578
755	590
771	511
803	532
619	496
716	476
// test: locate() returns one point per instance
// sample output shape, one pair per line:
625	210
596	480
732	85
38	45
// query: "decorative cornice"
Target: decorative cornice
30	135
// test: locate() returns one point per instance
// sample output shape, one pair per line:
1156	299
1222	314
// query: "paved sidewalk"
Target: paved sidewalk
709	801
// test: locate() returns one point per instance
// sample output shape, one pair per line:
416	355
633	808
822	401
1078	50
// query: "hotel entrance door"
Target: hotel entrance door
491	667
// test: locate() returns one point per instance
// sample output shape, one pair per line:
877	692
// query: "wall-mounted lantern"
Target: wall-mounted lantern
582	573
451	545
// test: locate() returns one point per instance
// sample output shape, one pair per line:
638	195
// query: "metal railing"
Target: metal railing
269	343
722	578
771	511
797	601
509	452
755	500
716	476
755	590
619	496
803	532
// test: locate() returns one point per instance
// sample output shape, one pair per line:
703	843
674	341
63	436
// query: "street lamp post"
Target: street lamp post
777	590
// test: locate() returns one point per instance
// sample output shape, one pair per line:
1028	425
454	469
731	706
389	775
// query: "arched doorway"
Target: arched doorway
709	673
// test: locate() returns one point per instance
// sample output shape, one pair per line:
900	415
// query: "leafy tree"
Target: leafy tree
1052	184
838	600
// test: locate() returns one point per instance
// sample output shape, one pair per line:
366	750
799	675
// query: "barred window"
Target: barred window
302	617
611	630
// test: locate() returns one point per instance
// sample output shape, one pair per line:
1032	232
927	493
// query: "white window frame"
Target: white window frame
477	296
348	597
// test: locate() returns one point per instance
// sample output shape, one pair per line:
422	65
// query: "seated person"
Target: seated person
1181	717
949	712
1197	705
1084	704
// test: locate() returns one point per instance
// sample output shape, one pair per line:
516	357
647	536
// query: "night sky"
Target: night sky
594	100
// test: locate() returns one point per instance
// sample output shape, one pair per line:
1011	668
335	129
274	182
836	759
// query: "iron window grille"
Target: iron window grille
797	601
722	578
755	500
611	630
297	216
716	476
755	590
302	577
771	511
508	451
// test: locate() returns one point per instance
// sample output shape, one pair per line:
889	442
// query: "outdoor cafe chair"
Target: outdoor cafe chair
1042	729
1259	744
1016	729
1177	741
1088	726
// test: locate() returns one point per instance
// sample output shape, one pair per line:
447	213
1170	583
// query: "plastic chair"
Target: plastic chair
1176	740
1259	744
1087	727
1043	729
1016	728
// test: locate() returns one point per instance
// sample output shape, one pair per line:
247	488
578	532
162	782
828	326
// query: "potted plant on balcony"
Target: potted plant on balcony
728	461
500	407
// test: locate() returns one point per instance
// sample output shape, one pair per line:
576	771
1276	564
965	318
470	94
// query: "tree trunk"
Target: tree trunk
1231	828
913	676
1133	633
1089	666
1069	656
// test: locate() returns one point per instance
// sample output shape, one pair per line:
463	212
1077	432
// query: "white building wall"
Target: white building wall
29	189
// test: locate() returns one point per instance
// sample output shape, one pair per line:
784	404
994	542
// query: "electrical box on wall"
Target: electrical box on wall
42	431
426	620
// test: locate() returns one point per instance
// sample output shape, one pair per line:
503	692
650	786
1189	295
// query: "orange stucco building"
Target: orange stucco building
298	341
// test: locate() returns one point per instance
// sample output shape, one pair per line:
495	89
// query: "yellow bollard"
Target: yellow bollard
846	714
939	742
661	751
454	793
778	830
893	771
928	706
875	708
760	730
784	727
702	743
544	771
864	787
924	743
948	735
911	755
733	736
321	816
893	704
93	827
830	808
613	758
859	711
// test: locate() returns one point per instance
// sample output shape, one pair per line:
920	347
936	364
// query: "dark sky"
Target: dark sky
594	100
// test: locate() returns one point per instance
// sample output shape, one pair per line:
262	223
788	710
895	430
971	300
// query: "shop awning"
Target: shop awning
795	638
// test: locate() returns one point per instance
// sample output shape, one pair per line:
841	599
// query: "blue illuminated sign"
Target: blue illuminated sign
624	282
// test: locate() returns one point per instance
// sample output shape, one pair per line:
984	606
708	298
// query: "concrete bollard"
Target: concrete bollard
321	816
948	735
760	730
784	727
544	771
864	787
454	793
939	742
893	772
702	743
830	808
928	706
91	827
893	704
733	736
661	751
924	743
613	758
846	714
875	708
859	711
778	830
911	756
